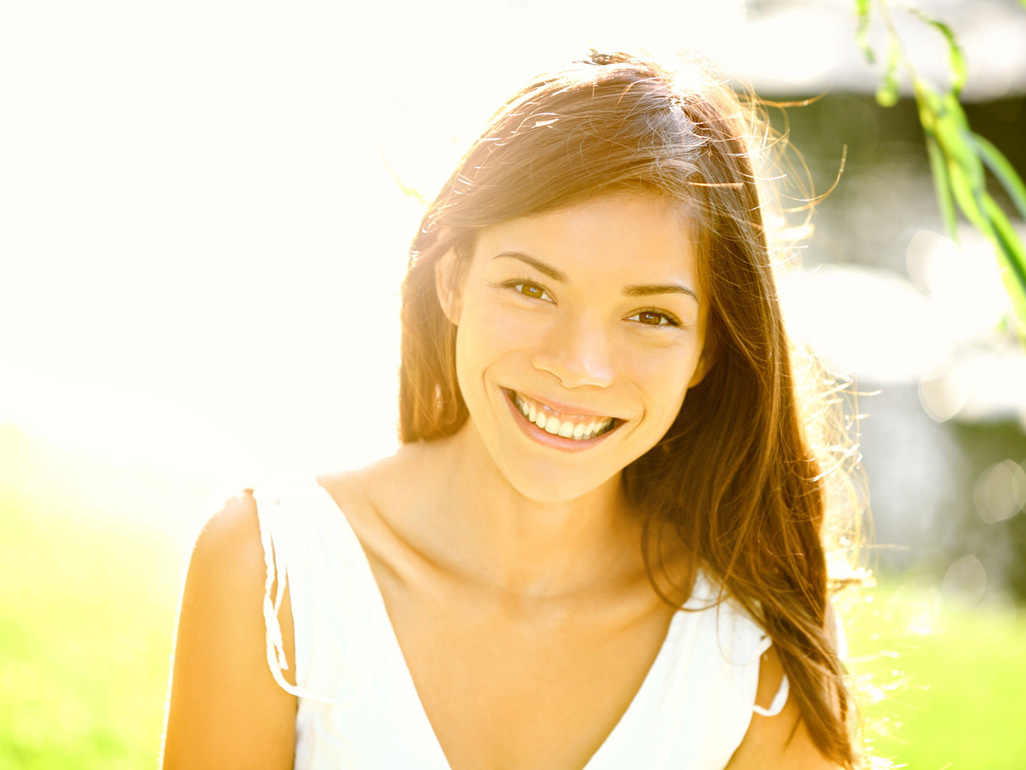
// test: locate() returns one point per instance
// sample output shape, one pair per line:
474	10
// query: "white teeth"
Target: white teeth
595	429
581	431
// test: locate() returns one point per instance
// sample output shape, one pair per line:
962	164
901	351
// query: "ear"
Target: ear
706	360
447	285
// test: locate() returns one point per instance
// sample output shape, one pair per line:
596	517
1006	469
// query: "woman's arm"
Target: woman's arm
225	708
780	741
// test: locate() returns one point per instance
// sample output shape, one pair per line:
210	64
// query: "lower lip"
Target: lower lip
551	439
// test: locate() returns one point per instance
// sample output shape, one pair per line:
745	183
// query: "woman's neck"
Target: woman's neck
486	531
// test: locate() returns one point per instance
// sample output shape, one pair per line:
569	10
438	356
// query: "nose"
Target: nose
577	352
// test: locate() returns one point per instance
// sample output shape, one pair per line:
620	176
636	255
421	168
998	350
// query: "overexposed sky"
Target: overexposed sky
200	236
201	233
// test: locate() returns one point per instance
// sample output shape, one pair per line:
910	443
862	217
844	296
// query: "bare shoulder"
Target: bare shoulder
230	539
225	709
780	741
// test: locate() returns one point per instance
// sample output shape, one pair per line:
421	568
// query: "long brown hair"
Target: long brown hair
735	475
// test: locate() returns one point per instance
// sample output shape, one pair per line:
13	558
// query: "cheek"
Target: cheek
664	378
491	331
486	339
664	365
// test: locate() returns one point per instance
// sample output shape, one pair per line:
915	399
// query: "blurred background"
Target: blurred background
204	216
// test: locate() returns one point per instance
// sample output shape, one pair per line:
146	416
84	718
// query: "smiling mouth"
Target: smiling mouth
575	427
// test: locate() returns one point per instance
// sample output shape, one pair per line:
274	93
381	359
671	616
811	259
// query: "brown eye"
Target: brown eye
650	318
532	290
653	318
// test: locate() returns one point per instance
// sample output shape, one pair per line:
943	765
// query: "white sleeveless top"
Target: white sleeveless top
359	708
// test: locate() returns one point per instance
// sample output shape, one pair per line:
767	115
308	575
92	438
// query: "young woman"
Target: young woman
601	543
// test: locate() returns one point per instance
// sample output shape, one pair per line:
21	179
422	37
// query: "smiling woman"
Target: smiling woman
554	317
601	543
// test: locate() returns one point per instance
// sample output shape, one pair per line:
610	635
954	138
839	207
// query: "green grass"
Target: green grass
86	624
950	681
87	616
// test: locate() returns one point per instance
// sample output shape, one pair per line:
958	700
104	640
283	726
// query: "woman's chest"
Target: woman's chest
537	688
501	681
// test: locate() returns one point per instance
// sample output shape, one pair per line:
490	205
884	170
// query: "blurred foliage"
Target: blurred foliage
1001	545
958	156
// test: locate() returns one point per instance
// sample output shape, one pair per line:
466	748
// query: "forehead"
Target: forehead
630	235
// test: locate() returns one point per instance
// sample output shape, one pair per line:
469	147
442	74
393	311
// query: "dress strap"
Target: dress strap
779	700
275	542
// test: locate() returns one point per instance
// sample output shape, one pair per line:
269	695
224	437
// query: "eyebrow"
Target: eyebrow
541	267
635	290
660	288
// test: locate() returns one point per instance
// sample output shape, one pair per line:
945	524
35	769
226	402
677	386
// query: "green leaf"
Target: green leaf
1012	248
1002	170
959	71
942	185
887	94
966	195
955	138
862	31
959	157
1012	256
949	181
928	104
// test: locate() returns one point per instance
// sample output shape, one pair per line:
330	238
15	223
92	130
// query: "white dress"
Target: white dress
359	708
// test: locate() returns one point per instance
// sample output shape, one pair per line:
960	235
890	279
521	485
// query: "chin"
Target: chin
551	483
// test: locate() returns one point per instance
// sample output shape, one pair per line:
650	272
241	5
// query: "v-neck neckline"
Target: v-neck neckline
412	695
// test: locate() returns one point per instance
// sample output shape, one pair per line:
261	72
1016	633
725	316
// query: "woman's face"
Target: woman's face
579	333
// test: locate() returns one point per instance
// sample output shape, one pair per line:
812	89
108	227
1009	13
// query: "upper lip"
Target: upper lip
558	406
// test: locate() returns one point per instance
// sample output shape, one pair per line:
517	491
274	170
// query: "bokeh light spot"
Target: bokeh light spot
964	583
943	391
1000	491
